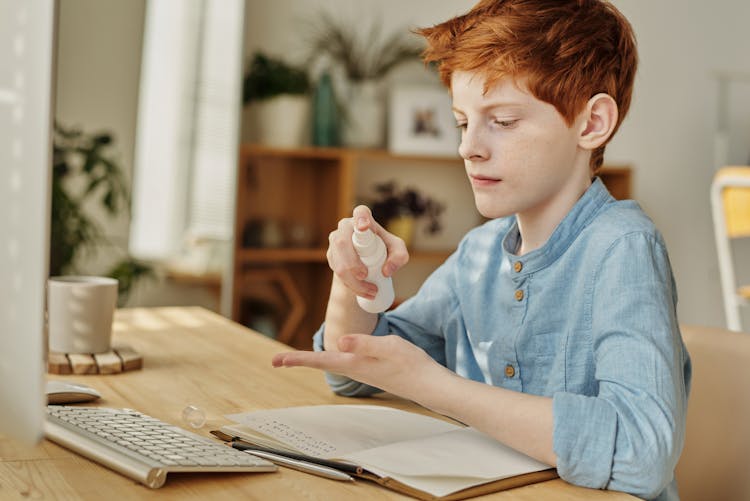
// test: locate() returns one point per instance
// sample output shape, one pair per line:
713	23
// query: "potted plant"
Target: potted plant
279	94
364	61
397	209
85	175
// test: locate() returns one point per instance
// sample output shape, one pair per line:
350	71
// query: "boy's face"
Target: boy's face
520	155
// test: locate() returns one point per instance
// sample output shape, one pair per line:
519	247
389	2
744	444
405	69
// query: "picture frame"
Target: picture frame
420	122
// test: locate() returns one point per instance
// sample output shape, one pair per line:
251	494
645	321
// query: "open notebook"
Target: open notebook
424	457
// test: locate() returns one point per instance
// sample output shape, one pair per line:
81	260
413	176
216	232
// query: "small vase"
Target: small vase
364	123
325	114
403	227
284	121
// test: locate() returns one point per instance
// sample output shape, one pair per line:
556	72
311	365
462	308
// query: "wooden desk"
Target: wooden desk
193	356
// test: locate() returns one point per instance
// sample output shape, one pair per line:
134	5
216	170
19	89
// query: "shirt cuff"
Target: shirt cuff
583	437
381	329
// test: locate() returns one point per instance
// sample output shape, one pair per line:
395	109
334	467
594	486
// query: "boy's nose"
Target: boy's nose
472	146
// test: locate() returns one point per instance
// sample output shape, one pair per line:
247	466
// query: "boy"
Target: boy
552	327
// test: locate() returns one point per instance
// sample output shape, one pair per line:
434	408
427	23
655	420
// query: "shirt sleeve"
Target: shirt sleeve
629	436
420	320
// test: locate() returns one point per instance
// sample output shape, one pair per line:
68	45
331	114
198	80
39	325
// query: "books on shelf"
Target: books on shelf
418	455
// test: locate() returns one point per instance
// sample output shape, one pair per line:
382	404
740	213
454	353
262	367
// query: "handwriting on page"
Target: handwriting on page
329	431
298	439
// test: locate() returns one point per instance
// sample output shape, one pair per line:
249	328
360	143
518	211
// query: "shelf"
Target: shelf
209	279
321	153
263	256
384	155
307	153
616	170
259	256
618	180
326	153
429	256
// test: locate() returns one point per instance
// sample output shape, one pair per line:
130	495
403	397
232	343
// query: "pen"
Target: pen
239	444
315	469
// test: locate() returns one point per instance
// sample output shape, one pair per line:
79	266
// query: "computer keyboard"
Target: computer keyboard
142	447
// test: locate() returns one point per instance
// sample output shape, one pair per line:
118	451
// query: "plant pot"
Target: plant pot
402	227
364	123
283	121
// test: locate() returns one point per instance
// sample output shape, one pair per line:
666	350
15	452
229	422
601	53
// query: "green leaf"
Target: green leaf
128	272
366	57
87	160
268	77
93	184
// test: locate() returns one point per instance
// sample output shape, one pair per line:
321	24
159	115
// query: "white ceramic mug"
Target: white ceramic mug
79	313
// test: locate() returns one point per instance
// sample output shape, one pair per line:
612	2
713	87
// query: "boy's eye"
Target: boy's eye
461	125
506	123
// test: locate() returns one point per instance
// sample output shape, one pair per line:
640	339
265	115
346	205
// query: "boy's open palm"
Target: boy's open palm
390	363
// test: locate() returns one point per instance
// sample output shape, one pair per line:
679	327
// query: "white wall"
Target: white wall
98	66
280	27
668	135
98	70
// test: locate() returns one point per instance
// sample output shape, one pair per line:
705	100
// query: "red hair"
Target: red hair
567	51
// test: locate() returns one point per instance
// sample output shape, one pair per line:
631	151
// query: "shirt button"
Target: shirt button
518	266
510	371
519	295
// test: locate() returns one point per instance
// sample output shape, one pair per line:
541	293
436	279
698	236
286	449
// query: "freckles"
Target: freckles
521	150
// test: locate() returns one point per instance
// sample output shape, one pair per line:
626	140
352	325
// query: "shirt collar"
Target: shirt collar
566	232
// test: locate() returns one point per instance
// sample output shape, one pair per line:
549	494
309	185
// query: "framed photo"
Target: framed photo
420	122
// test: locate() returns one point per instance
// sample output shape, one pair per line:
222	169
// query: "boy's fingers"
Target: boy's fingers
342	257
361	217
398	255
330	361
362	288
367	345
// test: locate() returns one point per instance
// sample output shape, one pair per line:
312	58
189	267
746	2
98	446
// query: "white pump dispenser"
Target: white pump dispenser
371	250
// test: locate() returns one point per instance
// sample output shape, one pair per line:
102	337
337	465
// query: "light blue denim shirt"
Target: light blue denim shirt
588	319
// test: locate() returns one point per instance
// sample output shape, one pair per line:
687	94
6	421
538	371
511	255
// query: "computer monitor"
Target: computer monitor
26	102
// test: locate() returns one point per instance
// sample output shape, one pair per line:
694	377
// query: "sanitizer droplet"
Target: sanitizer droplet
194	416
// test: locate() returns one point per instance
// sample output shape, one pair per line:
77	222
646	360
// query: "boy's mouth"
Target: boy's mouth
483	181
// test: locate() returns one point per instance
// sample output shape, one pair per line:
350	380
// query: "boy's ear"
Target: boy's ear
598	121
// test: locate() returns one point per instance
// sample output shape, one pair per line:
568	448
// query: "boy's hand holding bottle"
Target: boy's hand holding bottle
364	257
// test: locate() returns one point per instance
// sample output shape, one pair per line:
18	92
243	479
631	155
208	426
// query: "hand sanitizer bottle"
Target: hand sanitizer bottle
371	250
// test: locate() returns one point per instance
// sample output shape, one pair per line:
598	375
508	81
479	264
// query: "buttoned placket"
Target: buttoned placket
518	280
511	373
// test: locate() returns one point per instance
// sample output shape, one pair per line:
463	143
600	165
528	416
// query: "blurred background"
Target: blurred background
171	97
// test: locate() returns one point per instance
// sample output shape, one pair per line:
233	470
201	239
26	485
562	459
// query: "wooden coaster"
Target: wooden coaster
121	358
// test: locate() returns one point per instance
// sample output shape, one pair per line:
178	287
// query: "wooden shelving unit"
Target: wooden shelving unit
618	179
274	255
303	193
